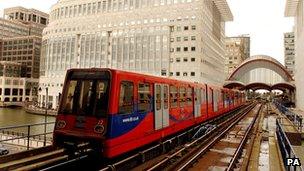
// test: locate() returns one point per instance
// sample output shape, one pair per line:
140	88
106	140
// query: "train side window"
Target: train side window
166	98
189	96
203	95
144	98
210	94
158	97
173	96
126	97
182	96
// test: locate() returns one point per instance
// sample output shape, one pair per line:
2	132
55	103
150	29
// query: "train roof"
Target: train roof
151	76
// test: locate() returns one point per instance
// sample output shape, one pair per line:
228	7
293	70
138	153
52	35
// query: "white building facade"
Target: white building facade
295	8
182	39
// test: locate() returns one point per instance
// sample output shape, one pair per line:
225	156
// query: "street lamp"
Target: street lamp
45	115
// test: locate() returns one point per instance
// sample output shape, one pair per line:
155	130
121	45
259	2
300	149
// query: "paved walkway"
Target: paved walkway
294	135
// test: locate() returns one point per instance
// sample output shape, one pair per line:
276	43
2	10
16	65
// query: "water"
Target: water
17	116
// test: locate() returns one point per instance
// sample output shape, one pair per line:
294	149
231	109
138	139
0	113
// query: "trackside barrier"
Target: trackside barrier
8	136
293	117
286	149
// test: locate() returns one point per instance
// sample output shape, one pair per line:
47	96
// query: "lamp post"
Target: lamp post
45	115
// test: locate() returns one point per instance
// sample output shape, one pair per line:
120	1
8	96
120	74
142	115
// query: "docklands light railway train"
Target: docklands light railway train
118	111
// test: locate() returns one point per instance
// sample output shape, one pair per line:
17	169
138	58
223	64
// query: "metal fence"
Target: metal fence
286	149
292	116
25	136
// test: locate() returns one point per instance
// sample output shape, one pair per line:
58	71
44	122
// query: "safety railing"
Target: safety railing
24	134
292	116
286	149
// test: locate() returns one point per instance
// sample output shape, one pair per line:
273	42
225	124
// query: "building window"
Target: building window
171	60
178	49
163	72
178	28
185	39
185	59
185	73
171	49
193	49
178	39
192	59
15	92
171	39
193	38
186	49
126	97
177	59
177	73
193	27
186	28
171	74
7	91
192	73
27	92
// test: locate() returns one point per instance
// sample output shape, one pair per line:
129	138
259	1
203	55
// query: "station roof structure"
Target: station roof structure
258	86
234	85
260	61
224	9
291	7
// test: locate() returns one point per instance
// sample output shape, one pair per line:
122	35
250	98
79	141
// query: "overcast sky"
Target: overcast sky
263	20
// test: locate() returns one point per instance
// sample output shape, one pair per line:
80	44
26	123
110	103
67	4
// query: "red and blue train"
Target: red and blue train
120	111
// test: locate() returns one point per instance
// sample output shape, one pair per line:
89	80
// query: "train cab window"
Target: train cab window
144	98
85	93
182	96
69	99
173	96
126	97
85	102
101	99
189	96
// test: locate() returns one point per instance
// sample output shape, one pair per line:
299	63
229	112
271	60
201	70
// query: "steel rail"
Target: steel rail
207	137
203	150
240	148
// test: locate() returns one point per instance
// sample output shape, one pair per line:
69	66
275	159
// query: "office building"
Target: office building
295	8
289	51
176	39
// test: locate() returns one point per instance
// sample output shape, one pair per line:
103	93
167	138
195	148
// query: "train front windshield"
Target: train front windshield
86	93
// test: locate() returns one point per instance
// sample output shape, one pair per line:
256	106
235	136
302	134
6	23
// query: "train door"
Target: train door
197	102
161	103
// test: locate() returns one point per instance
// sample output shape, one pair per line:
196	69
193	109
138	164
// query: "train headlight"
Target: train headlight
99	129
60	124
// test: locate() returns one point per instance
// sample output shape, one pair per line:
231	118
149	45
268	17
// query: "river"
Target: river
17	116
